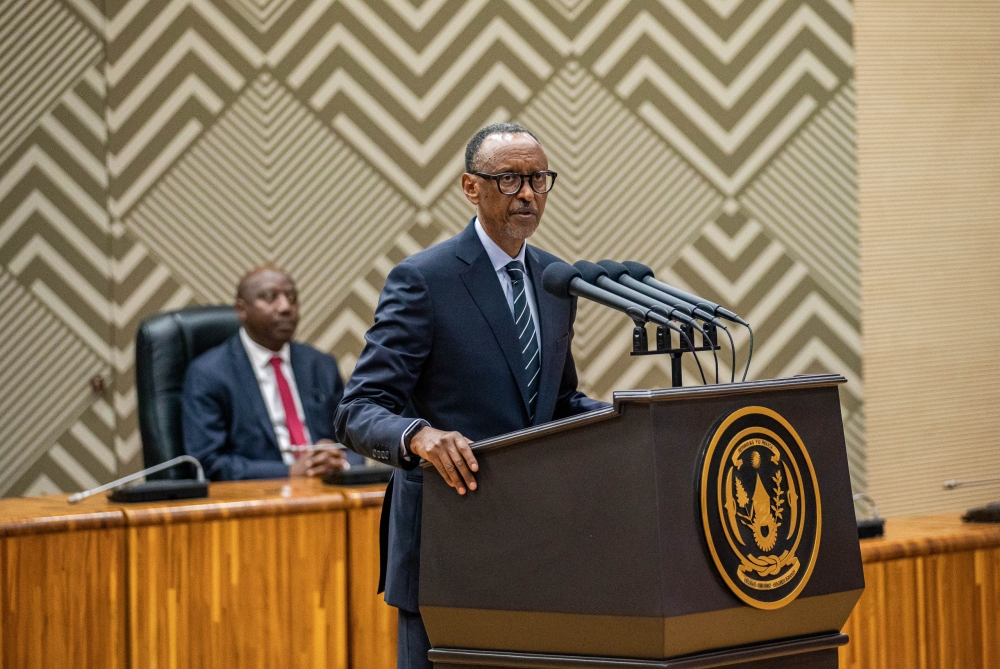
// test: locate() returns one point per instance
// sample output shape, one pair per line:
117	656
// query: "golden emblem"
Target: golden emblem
760	507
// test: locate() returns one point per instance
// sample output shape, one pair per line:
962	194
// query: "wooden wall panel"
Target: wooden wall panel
372	621
928	612
62	597
988	589
225	593
928	76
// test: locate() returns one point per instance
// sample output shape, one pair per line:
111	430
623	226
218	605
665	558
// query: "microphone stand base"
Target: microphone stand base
158	491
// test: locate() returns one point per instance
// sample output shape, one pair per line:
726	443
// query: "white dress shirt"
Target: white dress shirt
499	258
260	361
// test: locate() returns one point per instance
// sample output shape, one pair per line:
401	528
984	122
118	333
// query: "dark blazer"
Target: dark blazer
444	348
225	421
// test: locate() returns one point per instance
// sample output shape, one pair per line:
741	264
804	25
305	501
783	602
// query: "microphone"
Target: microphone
597	275
641	273
153	491
620	273
563	280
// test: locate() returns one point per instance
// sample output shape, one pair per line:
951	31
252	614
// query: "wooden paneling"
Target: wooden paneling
928	118
62	584
62	600
372	621
254	592
932	598
257	575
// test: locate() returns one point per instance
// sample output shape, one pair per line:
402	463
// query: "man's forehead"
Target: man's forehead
266	279
502	146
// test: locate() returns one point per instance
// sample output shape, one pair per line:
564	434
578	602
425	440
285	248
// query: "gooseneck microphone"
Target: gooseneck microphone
597	275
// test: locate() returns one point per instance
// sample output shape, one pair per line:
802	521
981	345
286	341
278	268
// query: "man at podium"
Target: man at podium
466	345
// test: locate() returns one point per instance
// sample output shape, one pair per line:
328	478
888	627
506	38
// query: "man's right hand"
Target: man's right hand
450	454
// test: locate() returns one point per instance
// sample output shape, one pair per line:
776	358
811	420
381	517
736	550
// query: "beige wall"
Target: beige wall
928	76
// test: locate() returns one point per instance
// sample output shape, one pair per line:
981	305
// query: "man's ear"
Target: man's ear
241	309
470	186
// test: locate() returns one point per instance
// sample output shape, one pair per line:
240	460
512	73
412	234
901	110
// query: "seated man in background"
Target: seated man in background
260	405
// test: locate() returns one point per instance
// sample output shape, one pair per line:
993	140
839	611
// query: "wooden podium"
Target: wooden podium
692	527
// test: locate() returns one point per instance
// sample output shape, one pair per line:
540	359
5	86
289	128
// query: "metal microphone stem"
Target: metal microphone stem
951	484
76	497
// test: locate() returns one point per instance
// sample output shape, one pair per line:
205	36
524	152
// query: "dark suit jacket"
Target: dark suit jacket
225	421
444	348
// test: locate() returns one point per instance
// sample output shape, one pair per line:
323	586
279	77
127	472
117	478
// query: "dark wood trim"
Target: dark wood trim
546	428
726	389
623	397
700	661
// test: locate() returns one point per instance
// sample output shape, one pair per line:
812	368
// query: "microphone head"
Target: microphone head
557	277
614	269
590	272
637	270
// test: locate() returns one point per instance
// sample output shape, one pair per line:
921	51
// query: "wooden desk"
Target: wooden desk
262	573
62	584
932	597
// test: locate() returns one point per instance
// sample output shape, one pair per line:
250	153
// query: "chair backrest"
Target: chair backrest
165	345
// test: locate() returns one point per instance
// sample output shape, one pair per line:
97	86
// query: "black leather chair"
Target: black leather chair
164	347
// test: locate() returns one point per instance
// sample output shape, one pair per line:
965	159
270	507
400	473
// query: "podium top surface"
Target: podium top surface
624	397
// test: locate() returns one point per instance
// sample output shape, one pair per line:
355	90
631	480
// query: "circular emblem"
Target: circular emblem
760	507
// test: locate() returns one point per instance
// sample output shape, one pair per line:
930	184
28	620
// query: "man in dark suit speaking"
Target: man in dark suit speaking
466	345
260	405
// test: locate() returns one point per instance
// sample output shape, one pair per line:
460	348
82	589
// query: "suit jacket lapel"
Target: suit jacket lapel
248	380
481	281
548	308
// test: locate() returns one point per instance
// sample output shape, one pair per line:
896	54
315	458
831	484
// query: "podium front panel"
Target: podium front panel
585	536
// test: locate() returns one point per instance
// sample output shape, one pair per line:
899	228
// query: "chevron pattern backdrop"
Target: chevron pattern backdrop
150	152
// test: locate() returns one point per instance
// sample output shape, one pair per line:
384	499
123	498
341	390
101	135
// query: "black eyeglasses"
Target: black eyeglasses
510	183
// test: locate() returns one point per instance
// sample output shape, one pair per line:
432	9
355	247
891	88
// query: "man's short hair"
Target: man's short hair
472	148
242	288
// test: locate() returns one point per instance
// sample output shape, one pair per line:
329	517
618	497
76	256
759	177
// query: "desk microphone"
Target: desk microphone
152	491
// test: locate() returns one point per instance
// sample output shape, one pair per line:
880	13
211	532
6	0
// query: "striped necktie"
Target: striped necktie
525	333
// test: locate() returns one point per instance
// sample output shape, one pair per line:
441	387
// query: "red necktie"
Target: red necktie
296	435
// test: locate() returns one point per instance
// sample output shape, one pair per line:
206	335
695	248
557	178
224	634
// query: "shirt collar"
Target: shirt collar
497	255
260	356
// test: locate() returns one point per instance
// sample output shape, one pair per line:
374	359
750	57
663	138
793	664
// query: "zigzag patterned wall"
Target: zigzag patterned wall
150	152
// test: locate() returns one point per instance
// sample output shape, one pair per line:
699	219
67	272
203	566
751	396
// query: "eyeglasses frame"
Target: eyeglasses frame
496	179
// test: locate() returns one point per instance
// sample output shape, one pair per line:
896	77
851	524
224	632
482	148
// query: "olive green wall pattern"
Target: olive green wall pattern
150	152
